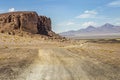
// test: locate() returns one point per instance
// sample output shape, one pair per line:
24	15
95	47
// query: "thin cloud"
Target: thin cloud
114	4
88	14
90	23
11	10
1	11
70	23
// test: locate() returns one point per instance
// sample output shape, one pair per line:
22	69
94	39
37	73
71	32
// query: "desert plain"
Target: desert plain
37	58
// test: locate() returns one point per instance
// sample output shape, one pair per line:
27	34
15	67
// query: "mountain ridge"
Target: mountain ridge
104	29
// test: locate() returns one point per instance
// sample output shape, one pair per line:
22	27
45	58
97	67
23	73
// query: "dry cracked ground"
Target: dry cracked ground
36	59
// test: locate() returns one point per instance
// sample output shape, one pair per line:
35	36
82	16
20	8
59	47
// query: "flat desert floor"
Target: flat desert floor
38	59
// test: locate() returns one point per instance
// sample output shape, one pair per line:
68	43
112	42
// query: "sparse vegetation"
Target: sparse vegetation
104	41
97	59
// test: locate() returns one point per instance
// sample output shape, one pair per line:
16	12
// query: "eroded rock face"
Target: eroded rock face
44	25
25	21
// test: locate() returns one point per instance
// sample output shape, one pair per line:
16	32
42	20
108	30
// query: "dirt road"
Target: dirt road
73	62
55	64
61	64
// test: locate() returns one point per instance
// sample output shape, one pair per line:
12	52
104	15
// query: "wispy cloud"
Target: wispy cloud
1	11
11	10
70	23
90	23
91	14
116	21
88	14
115	3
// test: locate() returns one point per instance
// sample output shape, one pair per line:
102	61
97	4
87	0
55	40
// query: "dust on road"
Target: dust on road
55	64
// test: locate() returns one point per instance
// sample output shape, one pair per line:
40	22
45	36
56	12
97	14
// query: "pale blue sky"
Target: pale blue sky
69	14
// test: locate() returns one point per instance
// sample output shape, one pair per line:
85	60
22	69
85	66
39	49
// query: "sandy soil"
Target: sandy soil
35	59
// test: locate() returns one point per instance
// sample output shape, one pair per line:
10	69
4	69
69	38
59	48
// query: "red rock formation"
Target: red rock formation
25	21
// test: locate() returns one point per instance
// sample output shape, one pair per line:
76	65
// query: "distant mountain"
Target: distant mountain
91	30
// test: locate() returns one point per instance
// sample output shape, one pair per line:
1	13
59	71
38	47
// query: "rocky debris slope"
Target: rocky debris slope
31	22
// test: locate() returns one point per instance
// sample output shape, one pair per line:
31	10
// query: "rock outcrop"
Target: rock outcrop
25	21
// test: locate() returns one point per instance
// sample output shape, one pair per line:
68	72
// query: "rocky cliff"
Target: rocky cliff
25	21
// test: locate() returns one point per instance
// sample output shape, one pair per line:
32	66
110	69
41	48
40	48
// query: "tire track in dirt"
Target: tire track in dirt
74	68
54	64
